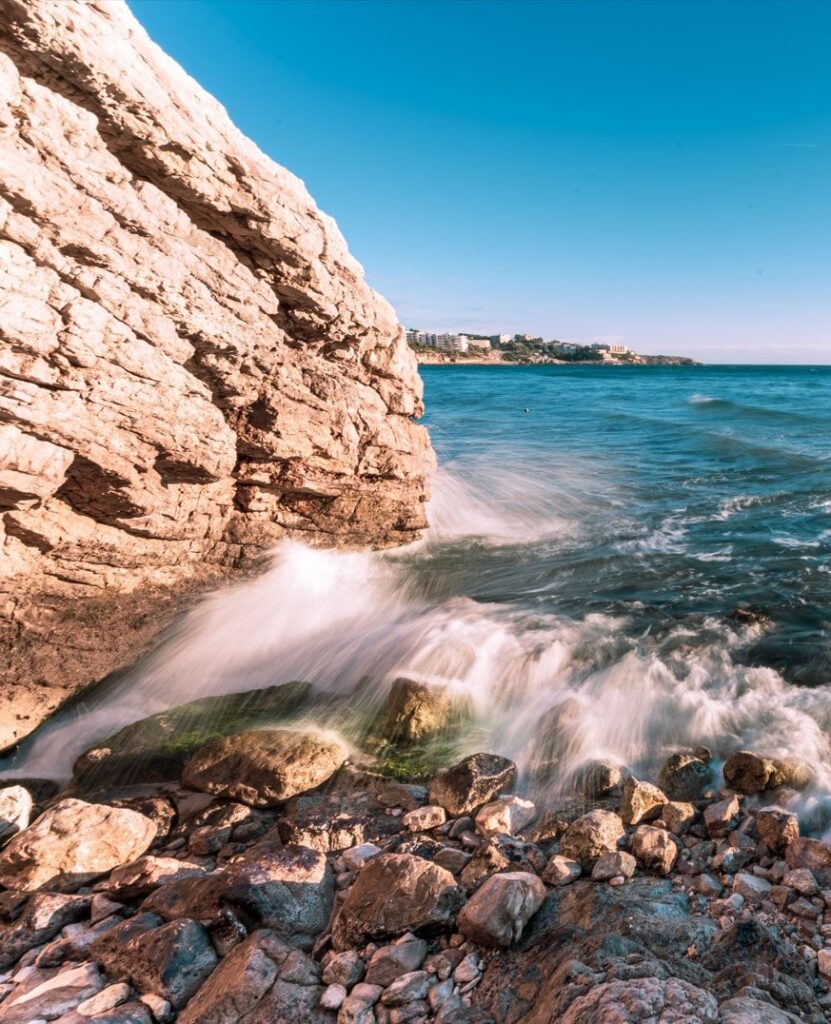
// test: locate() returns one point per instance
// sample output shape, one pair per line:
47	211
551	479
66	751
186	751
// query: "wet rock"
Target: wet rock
264	767
597	779
498	912
48	994
15	811
73	843
390	962
289	890
418	711
641	802
508	814
142	876
685	777
654	849
157	748
721	817
777	828
591	836
614	865
474	781
668	1001
561	871
749	773
395	893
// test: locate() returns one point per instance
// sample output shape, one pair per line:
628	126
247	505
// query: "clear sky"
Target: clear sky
658	172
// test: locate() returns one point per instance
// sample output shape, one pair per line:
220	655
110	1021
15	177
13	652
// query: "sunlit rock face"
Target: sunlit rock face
191	364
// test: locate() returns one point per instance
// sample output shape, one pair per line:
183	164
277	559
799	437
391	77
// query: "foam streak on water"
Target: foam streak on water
608	554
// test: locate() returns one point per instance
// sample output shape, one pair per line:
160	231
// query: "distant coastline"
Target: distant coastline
496	358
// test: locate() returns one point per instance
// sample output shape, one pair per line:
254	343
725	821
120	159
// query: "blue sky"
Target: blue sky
658	172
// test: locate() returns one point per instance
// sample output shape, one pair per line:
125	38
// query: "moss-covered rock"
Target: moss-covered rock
155	749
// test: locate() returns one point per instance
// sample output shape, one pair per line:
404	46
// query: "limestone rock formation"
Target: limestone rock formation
192	366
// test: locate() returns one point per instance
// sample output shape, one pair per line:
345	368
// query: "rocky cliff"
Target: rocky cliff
192	366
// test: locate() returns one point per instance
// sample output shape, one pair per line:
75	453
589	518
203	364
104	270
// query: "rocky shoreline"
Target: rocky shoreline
282	880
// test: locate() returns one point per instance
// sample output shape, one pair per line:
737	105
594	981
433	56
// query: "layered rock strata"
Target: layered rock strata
192	366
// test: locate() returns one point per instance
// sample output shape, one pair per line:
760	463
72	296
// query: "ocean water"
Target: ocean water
640	555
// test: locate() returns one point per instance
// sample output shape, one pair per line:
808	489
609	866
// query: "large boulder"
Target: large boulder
813	854
416	712
474	781
668	1001
591	836
72	844
157	748
499	910
393	894
265	767
169	299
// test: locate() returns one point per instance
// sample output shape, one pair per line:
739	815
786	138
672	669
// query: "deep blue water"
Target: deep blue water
683	492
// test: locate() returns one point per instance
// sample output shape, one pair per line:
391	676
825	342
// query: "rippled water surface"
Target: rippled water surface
642	553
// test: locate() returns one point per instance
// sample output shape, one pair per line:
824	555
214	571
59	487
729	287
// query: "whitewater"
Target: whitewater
643	555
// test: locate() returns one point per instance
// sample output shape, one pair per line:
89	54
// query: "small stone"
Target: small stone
367	993
345	968
468	969
641	802
509	814
614	865
356	856
708	885
824	962
333	997
561	871
161	1009
452	859
356	1011
751	887
106	999
389	962
401	794
423	819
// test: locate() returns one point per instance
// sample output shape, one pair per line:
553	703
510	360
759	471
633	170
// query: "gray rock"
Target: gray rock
390	962
345	968
614	865
407	988
417	711
685	777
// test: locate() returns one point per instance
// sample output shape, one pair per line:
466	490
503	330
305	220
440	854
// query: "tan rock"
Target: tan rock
777	828
508	814
417	711
591	836
73	843
654	849
170	295
640	802
396	893
264	767
15	811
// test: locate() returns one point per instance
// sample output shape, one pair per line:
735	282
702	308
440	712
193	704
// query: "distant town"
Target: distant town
526	348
